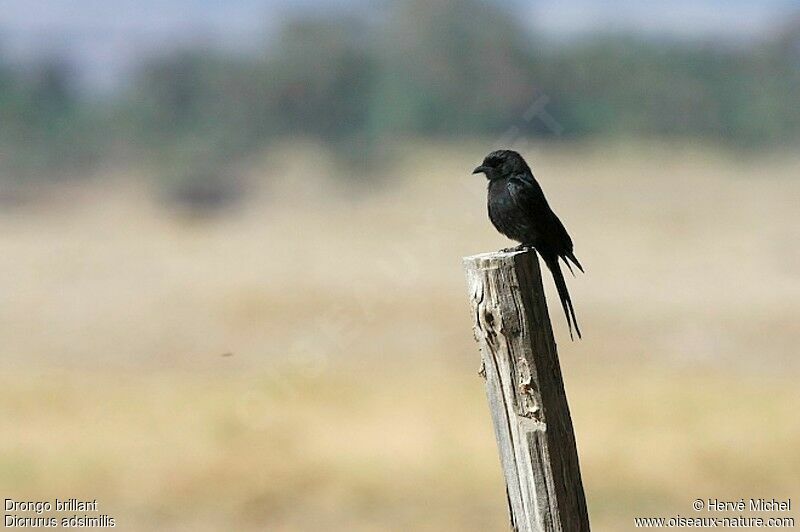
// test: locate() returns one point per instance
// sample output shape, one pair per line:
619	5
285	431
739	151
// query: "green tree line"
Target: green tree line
446	68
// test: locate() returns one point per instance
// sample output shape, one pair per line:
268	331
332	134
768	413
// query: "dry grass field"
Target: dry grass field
306	362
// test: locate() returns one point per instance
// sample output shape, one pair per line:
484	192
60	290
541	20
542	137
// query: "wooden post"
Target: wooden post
526	395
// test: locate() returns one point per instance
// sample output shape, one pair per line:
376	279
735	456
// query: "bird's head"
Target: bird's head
501	164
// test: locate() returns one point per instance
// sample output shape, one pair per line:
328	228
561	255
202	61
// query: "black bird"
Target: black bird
519	210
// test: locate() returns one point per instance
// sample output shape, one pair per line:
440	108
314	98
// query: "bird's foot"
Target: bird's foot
521	247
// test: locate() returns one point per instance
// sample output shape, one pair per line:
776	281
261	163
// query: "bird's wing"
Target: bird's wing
529	198
527	195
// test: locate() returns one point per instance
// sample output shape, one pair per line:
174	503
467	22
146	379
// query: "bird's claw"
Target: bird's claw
521	247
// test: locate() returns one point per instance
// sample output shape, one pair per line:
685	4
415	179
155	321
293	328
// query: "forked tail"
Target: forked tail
563	293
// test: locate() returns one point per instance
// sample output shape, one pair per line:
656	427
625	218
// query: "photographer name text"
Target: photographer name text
752	505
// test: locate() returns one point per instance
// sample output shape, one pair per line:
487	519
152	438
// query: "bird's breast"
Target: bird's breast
506	215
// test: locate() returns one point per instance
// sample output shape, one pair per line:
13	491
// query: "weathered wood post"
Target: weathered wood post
526	395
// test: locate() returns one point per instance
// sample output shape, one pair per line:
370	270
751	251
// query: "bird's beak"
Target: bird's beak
479	170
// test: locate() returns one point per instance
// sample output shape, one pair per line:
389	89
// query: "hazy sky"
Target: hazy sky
103	38
713	19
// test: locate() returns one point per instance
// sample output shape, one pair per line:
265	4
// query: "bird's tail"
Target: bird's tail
563	293
570	257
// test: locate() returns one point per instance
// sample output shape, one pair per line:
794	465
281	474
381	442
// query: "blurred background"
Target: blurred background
230	242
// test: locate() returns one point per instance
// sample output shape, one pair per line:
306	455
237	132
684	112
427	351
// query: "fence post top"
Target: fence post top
493	259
